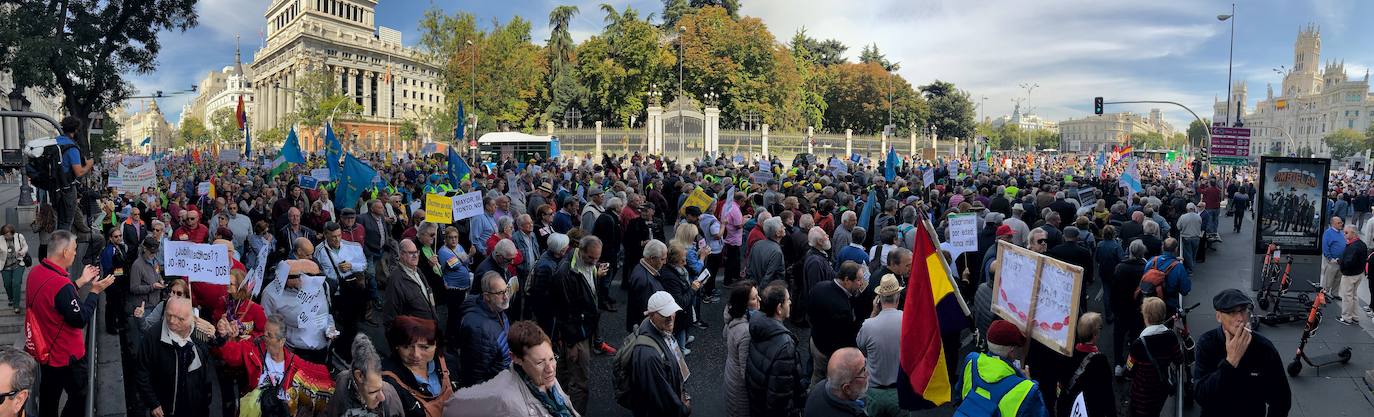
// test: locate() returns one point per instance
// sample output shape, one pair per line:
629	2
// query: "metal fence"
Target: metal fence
747	143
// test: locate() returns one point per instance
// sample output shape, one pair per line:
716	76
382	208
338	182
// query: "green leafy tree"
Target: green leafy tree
409	131
194	133
619	65
509	70
108	140
857	98
731	7
673	10
1345	143
269	139
560	47
82	50
317	100
951	111
870	55
223	129
1197	132
822	53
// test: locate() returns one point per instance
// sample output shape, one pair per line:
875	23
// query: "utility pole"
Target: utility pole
681	124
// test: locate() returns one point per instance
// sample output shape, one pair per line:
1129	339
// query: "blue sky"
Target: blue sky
1074	49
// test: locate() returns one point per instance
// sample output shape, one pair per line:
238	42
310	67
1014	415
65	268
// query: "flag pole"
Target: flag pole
930	234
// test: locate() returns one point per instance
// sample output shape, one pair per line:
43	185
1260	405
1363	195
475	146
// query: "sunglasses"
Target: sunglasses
5	397
1040	241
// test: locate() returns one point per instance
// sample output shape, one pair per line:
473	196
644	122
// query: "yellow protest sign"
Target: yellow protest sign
438	208
697	198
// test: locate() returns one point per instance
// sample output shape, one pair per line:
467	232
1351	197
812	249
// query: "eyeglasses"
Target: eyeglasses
5	397
180	294
410	252
1040	241
506	291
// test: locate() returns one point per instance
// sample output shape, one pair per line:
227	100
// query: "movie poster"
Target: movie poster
1291	203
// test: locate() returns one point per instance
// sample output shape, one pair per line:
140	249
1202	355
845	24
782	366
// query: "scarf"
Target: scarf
556	406
170	337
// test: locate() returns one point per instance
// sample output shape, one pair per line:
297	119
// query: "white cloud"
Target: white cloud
1074	50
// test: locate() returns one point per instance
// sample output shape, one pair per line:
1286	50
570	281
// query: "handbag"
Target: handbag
27	261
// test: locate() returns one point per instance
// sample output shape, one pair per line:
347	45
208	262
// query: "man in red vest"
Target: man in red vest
59	316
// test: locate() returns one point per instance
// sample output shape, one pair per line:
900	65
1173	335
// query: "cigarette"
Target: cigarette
1247	329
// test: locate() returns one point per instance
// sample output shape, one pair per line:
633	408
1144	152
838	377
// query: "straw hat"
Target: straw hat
888	286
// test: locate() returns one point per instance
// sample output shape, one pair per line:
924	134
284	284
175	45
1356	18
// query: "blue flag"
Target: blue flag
333	151
459	125
146	141
357	177
458	170
291	149
892	162
247	144
870	210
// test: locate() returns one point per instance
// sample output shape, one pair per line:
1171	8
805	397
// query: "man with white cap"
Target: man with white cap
657	371
1018	227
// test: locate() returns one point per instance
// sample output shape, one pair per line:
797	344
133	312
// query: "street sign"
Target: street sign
1230	146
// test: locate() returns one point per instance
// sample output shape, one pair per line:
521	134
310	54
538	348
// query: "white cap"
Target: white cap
662	303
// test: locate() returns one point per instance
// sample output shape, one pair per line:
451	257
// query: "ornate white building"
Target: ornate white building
370	64
146	123
1026	121
1100	132
1312	103
219	90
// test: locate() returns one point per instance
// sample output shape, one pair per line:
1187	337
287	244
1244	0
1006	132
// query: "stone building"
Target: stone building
147	123
1312	103
1100	132
370	64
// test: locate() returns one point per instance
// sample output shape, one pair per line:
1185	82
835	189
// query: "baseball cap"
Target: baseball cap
662	303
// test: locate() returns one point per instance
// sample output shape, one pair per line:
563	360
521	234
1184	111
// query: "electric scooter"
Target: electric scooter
1314	320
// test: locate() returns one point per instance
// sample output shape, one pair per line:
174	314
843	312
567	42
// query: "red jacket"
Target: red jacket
65	340
199	234
250	355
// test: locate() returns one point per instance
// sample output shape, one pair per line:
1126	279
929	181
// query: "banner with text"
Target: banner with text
467	205
200	262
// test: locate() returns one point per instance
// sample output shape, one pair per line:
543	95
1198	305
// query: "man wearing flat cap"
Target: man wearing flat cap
1238	372
994	382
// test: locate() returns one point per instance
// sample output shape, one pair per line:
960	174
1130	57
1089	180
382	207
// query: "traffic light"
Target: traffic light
1097	105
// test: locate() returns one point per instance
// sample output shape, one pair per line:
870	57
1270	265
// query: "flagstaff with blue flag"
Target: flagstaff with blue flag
333	151
458	170
460	125
247	143
892	163
146	141
290	153
356	177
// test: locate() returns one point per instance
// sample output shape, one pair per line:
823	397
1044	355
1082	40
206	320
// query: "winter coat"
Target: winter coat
1123	287
819	403
774	373
676	282
1148	390
656	385
415	400
345	401
481	339
642	286
507	394
572	302
737	346
142	276
1095	383
165	376
1256	386
405	297
766	263
538	291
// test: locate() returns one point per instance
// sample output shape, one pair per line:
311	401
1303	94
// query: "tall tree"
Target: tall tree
192	133
1197	132
951	111
619	65
317	101
501	67
560	46
83	49
1345	143
223	129
822	53
857	97
673	10
870	55
731	7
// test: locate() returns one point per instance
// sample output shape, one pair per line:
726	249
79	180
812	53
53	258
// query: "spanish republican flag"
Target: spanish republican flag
933	309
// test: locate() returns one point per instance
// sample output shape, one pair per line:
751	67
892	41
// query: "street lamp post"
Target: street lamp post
1029	87
1230	55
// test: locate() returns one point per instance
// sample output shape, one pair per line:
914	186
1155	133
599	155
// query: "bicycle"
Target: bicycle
1183	371
1269	272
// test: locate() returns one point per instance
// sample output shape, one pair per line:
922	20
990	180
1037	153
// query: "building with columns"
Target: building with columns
370	64
1313	102
146	123
1100	132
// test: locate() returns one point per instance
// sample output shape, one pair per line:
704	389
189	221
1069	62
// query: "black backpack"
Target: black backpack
44	166
621	371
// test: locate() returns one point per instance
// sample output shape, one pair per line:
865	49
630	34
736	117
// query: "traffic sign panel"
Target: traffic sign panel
1231	142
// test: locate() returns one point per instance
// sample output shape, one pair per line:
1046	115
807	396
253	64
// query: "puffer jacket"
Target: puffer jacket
774	375
737	341
481	340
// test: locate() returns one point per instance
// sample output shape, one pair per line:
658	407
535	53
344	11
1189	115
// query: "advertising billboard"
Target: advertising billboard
1292	198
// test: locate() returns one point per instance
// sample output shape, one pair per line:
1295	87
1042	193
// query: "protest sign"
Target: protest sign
114	182
200	262
467	205
229	155
134	180
761	177
838	167
438	208
203	188
253	281
1014	286
963	233
928	177
321	174
1056	305
308	182
698	199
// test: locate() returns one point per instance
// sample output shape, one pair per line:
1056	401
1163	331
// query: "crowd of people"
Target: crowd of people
500	313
